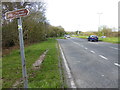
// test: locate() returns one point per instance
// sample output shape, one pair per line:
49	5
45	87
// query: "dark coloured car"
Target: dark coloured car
93	38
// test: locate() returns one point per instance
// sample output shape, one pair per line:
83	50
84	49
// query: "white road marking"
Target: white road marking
93	42
102	75
77	43
77	61
114	48
103	57
82	46
86	48
117	64
68	70
92	51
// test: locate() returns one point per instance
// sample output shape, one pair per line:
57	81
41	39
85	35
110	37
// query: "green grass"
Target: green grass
47	77
0	73
84	37
60	38
110	39
107	39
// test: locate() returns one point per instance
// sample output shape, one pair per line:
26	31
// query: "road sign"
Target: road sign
17	13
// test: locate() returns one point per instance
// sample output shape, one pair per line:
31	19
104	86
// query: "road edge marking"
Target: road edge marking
67	69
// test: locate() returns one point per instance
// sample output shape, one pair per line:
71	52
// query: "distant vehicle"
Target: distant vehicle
93	38
67	36
103	36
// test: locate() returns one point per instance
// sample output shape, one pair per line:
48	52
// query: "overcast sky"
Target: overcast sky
82	15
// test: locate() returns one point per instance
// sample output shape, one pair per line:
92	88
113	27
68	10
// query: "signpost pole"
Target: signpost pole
24	72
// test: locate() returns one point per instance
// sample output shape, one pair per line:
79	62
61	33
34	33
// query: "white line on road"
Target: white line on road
103	57
114	48
92	51
78	61
86	48
117	64
74	42
68	70
82	46
93	42
103	75
77	43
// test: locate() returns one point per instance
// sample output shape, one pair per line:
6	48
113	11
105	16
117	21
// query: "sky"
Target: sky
82	15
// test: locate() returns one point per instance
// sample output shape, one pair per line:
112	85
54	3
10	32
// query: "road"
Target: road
92	64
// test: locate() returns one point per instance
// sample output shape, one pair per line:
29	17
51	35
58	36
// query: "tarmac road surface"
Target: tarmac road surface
92	64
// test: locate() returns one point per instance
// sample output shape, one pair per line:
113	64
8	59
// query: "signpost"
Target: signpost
18	14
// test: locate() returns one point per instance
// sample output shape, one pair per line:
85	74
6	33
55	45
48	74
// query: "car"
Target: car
93	38
103	36
67	36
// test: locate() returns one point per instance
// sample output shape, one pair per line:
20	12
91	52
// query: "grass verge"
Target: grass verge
111	39
47	77
107	39
84	37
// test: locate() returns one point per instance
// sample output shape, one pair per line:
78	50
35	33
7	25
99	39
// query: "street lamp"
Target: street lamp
99	19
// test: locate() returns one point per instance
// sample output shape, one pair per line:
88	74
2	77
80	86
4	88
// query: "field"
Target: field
48	76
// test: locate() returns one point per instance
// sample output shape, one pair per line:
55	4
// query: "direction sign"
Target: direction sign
16	13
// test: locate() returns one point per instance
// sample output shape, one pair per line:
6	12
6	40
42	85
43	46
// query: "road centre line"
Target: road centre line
86	48
92	51
67	69
99	55
77	43
82	46
117	64
114	48
103	57
102	75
